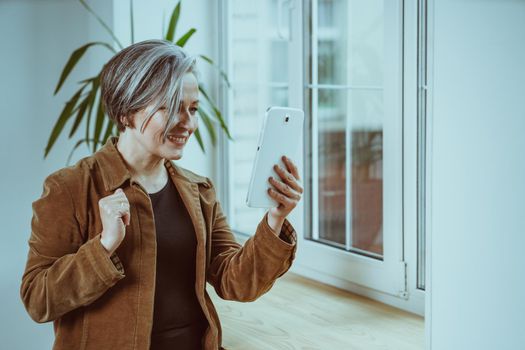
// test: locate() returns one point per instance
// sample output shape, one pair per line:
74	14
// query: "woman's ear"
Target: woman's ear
125	121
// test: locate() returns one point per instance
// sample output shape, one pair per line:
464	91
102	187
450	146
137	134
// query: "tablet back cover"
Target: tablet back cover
278	137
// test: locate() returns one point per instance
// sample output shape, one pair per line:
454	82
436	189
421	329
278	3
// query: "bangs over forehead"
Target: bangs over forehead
148	73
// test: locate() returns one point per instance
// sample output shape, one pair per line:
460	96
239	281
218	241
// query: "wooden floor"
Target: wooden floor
298	313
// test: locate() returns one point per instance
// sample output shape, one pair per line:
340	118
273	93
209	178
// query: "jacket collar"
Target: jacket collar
115	172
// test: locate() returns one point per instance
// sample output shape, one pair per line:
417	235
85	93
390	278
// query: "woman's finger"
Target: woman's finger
288	178
292	168
281	198
284	189
123	215
119	213
126	218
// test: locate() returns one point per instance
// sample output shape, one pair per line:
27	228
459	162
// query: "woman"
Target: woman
123	242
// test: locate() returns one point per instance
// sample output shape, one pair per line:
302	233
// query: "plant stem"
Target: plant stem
83	2
132	21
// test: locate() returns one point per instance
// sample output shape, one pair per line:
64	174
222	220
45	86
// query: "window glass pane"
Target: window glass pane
350	42
259	76
361	112
367	190
346	101
332	165
258	54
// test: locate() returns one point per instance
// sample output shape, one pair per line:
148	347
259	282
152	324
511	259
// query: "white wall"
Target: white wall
36	39
477	228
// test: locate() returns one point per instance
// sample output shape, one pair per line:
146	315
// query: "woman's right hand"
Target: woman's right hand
115	216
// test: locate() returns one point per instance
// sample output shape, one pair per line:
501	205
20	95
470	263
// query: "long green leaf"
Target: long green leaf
106	27
182	40
209	126
199	140
99	122
92	99
216	111
62	119
108	132
221	72
81	98
80	115
73	60
170	33
88	80
79	109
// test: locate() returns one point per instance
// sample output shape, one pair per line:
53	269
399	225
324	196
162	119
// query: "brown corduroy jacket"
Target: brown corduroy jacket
102	302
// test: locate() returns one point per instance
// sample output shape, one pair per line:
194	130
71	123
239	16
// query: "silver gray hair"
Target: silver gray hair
148	72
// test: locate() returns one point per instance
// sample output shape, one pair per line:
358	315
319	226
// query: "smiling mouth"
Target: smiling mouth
177	140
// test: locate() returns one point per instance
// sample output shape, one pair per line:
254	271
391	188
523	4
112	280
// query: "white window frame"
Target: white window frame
393	280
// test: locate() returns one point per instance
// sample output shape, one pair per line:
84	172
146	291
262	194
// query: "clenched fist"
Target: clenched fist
115	216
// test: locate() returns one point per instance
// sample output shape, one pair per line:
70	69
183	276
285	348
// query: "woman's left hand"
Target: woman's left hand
287	191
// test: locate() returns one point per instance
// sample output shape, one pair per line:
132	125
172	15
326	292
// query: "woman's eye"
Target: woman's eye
191	110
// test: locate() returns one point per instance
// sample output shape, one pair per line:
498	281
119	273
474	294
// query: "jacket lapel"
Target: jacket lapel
189	192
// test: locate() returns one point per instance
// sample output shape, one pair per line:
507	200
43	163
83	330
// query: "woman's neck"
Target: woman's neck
141	163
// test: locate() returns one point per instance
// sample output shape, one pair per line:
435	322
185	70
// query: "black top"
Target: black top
178	321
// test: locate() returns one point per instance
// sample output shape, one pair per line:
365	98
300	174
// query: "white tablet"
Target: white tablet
281	134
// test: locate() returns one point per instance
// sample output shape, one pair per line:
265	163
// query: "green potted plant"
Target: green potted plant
86	105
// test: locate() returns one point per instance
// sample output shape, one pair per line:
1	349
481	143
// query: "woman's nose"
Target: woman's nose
187	119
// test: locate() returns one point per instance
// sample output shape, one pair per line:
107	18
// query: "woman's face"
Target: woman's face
186	124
